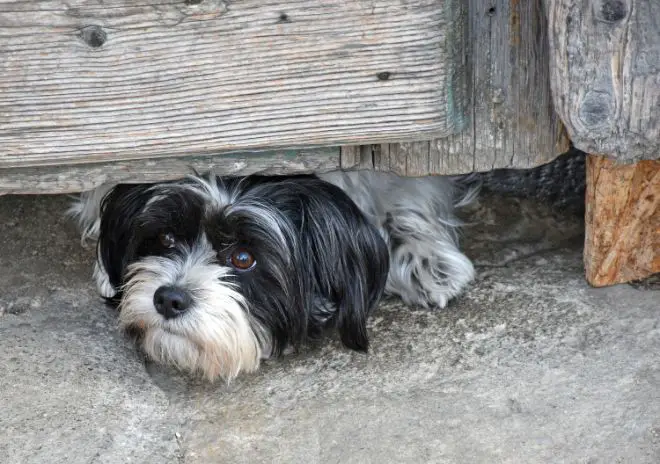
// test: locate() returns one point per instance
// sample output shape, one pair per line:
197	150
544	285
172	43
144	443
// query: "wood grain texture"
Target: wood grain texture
93	80
82	177
405	159
512	122
622	222
357	157
605	71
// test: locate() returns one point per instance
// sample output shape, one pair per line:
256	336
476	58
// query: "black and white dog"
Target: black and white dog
215	274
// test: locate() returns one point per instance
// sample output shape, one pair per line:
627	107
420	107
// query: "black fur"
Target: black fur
561	183
320	263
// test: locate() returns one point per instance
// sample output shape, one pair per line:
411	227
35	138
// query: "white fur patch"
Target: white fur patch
86	211
103	285
215	337
216	195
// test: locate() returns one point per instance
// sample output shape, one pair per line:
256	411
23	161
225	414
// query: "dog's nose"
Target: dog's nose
171	302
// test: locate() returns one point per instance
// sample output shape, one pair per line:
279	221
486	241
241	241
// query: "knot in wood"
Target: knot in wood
384	76
613	11
595	109
94	36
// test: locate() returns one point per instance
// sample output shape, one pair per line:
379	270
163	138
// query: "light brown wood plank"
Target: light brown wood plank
82	177
605	71
90	81
622	226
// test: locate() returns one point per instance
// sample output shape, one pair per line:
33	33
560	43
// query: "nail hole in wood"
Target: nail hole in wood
491	11
94	36
384	76
284	18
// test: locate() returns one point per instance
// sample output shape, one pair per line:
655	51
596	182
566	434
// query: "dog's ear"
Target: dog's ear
119	210
348	257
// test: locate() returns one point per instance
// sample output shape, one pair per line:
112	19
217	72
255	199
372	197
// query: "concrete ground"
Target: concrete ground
531	365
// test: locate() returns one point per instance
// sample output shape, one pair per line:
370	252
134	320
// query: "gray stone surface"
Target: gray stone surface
530	365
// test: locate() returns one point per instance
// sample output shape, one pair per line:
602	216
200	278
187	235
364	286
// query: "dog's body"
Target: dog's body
215	274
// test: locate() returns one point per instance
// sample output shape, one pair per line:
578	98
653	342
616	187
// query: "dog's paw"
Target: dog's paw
426	277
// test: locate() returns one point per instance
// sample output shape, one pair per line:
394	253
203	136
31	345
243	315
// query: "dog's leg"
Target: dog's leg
426	267
416	218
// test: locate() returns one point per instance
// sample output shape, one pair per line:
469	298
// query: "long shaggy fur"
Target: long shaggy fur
326	250
416	218
231	342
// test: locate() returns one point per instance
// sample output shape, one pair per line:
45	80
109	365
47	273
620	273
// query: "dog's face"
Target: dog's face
214	275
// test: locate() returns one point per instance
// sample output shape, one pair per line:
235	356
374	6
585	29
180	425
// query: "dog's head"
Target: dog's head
215	274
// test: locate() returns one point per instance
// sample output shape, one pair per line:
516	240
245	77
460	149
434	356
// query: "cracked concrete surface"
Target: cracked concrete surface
530	365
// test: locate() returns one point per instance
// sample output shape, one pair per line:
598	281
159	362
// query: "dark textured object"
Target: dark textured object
559	183
94	36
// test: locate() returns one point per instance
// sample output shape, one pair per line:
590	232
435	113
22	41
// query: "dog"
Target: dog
213	274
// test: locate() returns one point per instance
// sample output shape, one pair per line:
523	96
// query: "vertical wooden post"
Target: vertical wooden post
622	222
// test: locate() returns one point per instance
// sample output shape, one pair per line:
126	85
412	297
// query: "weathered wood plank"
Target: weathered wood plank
405	158
82	177
92	80
622	222
350	156
605	71
513	123
357	157
417	158
512	120
382	157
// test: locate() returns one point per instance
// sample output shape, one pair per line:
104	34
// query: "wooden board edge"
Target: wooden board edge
83	177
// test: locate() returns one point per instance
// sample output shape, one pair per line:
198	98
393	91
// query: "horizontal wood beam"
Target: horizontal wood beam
83	177
94	81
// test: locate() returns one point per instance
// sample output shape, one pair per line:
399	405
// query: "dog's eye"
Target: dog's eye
242	259
167	239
